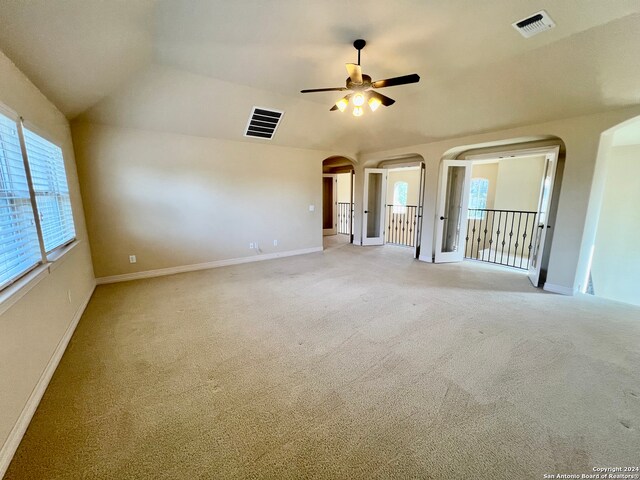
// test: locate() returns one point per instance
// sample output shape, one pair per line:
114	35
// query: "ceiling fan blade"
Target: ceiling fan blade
386	101
392	82
355	73
334	89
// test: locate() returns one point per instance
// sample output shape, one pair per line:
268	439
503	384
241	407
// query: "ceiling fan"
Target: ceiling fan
362	88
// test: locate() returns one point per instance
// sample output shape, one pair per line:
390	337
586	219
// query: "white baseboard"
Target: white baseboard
10	446
202	266
550	287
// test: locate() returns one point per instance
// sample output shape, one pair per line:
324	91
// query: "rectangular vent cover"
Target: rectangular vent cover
263	123
534	24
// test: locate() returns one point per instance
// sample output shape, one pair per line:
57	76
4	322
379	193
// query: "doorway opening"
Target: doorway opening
495	208
338	177
614	263
401	212
393	203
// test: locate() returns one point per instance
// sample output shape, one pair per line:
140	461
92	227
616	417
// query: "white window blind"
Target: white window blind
51	189
19	244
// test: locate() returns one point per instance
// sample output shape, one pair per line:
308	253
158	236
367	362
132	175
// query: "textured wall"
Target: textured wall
175	200
409	175
31	328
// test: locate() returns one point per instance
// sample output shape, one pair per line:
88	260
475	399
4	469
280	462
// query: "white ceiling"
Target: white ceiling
197	67
77	51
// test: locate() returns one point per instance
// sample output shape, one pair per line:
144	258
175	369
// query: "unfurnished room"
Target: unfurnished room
330	240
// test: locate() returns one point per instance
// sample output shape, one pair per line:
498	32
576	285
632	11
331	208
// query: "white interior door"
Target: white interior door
544	204
375	192
453	203
419	210
329	204
352	197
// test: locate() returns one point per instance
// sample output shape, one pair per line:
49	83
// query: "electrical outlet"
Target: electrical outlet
312	208
275	243
251	246
132	259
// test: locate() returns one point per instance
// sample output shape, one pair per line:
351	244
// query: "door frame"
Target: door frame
334	205
352	209
420	210
533	274
365	202
543	227
457	256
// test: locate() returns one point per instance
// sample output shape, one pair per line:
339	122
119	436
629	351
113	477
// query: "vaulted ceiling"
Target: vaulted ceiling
197	67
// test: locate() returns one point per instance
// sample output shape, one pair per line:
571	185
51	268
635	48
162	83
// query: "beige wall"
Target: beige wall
31	329
514	183
409	175
344	188
574	228
615	270
490	172
518	183
174	200
575	224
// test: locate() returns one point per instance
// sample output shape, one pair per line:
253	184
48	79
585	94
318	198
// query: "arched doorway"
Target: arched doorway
497	204
393	197
338	178
614	263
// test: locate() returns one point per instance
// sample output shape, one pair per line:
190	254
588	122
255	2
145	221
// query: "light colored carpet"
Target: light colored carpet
334	241
351	363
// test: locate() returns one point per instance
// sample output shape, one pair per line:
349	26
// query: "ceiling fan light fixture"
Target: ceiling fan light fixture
360	87
358	99
342	104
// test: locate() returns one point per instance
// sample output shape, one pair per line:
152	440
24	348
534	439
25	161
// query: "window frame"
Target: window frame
18	286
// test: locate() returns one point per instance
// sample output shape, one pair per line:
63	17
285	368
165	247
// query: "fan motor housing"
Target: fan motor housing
366	83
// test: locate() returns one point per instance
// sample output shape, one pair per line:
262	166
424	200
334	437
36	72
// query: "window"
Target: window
19	246
52	192
400	197
24	236
478	198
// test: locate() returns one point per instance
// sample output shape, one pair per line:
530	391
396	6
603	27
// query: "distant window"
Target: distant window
478	198
400	190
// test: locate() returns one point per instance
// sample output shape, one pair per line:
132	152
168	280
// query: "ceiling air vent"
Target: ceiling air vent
263	123
534	24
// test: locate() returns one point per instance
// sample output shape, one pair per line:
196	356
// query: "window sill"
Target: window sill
57	257
14	292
